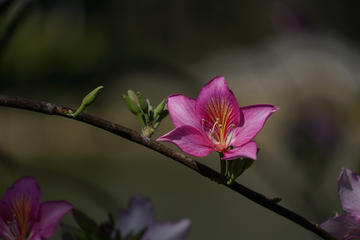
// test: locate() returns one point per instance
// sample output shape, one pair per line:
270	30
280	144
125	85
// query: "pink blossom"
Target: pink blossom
23	217
214	122
346	227
141	216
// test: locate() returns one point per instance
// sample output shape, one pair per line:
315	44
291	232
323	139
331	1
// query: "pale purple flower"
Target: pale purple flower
141	215
346	227
214	122
23	217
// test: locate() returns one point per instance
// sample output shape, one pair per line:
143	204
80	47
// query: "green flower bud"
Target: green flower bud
131	105
134	108
162	115
133	96
158	110
150	111
142	103
87	101
90	98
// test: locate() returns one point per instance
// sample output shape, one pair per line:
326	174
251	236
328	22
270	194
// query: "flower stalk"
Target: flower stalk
149	119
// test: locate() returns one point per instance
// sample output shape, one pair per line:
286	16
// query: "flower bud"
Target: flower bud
142	103
158	110
134	108
131	105
87	101
133	96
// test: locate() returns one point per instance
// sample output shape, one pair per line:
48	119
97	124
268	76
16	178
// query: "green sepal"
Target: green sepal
133	96
87	101
158	110
86	223
237	167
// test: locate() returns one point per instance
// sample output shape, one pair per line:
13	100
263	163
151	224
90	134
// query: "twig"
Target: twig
52	109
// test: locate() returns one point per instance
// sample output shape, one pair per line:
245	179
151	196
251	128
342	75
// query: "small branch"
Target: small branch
52	109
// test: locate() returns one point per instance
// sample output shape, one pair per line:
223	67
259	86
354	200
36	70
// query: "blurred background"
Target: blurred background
301	56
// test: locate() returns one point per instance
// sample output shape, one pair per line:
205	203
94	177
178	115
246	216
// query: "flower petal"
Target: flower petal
6	216
24	187
349	191
253	118
182	111
189	139
168	230
248	150
139	216
50	215
216	100
344	227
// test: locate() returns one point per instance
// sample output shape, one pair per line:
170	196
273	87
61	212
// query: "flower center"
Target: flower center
21	208
217	136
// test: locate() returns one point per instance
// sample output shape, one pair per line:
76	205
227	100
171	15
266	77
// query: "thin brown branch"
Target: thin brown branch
52	109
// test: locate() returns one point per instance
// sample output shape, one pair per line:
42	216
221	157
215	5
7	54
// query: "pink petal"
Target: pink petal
50	215
182	111
349	191
6	216
28	187
139	216
253	118
168	230
216	100
189	139
248	150
344	227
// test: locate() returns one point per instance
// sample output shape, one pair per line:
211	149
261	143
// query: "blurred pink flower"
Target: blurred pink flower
346	227
23	217
214	122
141	215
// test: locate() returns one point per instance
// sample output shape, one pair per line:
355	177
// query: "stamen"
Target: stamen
211	139
232	126
221	140
217	121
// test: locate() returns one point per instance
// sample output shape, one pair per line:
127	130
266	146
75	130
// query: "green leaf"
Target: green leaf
86	223
74	232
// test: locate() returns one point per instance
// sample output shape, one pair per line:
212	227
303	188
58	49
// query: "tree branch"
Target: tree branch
52	109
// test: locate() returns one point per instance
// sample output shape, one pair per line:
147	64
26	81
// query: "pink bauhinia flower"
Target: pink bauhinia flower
214	122
346	227
23	217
